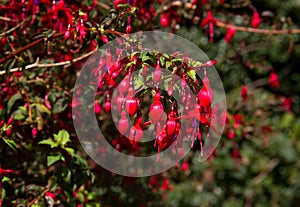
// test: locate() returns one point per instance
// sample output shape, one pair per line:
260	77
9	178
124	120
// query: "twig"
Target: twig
237	6
12	29
255	30
269	167
7	19
38	65
104	6
29	46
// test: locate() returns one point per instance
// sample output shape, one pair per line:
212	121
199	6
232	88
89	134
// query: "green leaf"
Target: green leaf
71	151
63	137
49	142
5	179
12	101
192	74
60	105
177	60
162	60
42	108
168	64
11	143
51	159
35	205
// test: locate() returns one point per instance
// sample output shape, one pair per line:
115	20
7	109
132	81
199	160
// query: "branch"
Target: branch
29	46
255	30
104	6
49	65
7	19
12	29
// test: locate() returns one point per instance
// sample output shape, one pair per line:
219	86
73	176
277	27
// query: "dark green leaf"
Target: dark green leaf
12	101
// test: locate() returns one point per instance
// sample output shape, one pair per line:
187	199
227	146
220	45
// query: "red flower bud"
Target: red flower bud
170	89
107	104
205	97
34	132
131	102
157	73
244	93
124	85
156	109
164	21
67	33
229	34
10	120
185	166
128	29
231	134
9	131
123	125
1	123
255	20
273	80
97	108
171	127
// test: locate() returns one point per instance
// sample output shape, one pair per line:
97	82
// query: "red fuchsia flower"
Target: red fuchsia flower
107	104
255	20
238	120
59	13
230	34
231	134
4	173
123	125
153	182
222	1
156	109
244	93
9	131
34	132
67	33
165	184
10	120
236	153
1	123
286	104
164	20
97	108
210	21
273	80
185	166
50	195
117	2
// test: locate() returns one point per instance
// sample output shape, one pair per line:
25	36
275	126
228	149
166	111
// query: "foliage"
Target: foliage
43	47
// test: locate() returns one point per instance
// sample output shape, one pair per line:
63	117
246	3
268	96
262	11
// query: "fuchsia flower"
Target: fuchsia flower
238	120
286	104
230	34
210	21
255	20
62	15
244	93
165	184
34	132
185	166
273	80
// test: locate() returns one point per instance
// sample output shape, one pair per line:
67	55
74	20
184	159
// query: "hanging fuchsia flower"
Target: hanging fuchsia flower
229	34
273	80
255	20
286	104
244	93
59	13
210	21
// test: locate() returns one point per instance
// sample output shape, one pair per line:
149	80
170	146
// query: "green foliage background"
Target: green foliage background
263	175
